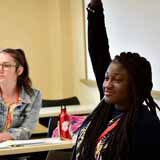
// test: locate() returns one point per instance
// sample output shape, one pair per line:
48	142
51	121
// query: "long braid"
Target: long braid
152	105
99	121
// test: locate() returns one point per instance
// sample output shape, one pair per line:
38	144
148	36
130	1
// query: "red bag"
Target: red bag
76	122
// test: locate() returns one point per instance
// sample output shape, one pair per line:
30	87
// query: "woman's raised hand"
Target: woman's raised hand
95	3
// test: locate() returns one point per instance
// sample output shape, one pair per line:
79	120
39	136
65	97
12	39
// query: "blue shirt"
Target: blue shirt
25	115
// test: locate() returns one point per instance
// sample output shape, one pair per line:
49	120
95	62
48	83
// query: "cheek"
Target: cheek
103	85
12	75
123	89
123	92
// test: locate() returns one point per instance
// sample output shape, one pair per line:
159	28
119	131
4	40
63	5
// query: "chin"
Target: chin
1	80
108	100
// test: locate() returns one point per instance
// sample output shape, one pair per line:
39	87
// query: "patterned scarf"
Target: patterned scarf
104	138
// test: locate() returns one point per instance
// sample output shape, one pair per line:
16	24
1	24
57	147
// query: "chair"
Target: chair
59	102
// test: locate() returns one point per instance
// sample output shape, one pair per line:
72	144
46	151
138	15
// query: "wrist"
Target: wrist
97	8
90	9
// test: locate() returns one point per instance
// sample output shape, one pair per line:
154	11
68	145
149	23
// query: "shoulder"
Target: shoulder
36	92
145	118
147	127
147	135
35	95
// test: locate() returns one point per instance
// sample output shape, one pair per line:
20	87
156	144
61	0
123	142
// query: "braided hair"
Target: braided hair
140	79
140	86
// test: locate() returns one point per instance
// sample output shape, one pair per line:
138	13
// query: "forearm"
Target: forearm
20	133
26	128
98	43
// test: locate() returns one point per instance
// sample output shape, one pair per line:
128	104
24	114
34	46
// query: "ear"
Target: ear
20	70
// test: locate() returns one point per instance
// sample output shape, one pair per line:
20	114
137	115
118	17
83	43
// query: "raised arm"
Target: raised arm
98	42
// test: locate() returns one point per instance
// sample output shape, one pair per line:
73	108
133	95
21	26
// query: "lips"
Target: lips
106	93
1	76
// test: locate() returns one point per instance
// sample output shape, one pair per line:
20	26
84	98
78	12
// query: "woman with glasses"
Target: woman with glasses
19	102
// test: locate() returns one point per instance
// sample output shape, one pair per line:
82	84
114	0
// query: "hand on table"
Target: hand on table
4	136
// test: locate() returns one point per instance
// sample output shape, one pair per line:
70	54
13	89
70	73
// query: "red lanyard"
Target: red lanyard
9	115
9	118
108	129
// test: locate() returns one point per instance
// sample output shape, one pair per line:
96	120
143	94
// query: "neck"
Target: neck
8	90
123	108
9	94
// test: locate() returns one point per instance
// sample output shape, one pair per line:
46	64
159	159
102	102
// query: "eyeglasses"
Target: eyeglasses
7	66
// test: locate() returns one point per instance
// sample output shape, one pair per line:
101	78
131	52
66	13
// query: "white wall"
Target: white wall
133	25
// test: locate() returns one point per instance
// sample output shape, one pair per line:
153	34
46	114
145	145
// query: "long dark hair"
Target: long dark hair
140	86
23	80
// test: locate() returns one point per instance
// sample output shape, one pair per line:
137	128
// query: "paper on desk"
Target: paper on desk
58	140
17	143
5	144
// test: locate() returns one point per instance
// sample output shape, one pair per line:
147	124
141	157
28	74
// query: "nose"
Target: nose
107	84
1	67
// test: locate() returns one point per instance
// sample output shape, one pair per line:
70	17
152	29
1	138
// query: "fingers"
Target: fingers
95	3
4	136
2	139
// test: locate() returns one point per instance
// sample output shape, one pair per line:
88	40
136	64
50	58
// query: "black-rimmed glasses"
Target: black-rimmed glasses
7	66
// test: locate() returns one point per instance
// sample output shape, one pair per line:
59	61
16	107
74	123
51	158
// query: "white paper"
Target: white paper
16	143
19	143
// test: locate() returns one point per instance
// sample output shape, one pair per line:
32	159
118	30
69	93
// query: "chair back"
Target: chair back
51	122
59	102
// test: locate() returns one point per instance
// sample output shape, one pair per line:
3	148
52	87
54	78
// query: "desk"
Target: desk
72	109
49	145
40	129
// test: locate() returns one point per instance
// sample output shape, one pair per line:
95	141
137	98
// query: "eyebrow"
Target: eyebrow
7	62
116	73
